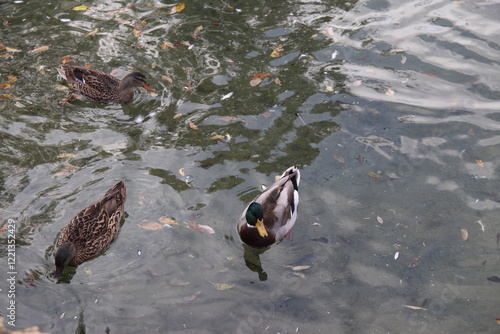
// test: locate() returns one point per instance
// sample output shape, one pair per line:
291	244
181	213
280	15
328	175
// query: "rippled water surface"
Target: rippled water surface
389	108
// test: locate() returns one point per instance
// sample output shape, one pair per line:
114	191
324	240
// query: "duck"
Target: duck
100	86
271	215
92	230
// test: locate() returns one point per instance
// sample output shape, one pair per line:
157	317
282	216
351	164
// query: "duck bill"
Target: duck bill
149	88
261	228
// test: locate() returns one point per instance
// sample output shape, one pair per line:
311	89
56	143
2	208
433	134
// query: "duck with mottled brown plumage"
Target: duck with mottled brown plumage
101	86
92	230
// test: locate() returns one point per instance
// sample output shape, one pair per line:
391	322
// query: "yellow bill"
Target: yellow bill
261	228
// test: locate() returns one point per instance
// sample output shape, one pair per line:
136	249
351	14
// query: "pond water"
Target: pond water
389	108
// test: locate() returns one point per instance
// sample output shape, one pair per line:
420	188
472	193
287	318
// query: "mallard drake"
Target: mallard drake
101	86
272	214
92	230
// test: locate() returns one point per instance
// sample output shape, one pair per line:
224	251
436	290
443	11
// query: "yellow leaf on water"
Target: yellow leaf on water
11	78
179	7
217	137
80	8
223	286
193	126
5	85
4	97
149	225
193	297
87	271
40	49
65	155
137	33
375	175
167	45
198	29
182	172
92	33
479	163
169	221
177	116
61	87
277	51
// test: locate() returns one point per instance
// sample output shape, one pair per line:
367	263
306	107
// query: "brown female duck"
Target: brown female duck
101	86
92	230
272	214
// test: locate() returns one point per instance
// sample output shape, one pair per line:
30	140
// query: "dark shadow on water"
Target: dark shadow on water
252	260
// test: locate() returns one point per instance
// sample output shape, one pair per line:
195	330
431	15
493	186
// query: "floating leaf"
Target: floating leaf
5	85
40	49
380	220
87	271
260	75
66	59
149	225
414	262
4	228
495	279
415	307
167	79
403	59
167	45
4	97
11	78
255	82
201	228
277	81
479	163
182	172
137	33
81	8
277	51
299	268
193	126
142	201
12	49
391	175
375	175
92	33
321	239
228	118
168	221
218	137
177	116
65	155
179	7
193	297
198	29
339	159
223	286
61	87
389	92
465	234
498	320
